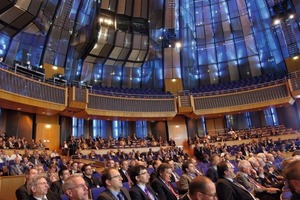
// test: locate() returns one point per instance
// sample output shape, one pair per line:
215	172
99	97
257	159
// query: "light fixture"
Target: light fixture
276	21
291	16
47	126
177	126
295	57
54	68
173	80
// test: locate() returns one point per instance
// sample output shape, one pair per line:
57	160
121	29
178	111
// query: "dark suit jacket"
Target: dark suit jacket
125	179
227	190
136	193
164	193
50	196
93	182
56	187
22	193
107	195
212	174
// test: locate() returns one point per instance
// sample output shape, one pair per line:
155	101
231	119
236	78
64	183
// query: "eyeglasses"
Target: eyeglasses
116	176
212	196
42	183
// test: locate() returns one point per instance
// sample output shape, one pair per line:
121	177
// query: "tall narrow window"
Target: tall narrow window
141	129
248	119
77	127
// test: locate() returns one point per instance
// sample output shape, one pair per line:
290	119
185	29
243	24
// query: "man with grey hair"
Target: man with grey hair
39	189
75	188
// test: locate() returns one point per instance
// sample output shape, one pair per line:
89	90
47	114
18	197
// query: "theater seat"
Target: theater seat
96	192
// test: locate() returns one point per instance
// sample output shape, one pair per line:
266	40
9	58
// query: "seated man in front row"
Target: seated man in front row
112	181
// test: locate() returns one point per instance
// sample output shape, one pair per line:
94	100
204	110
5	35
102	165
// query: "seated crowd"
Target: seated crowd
166	174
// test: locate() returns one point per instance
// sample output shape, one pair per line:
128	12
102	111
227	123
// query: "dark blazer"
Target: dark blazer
212	174
136	193
56	187
50	196
22	193
125	179
164	193
92	182
107	195
227	190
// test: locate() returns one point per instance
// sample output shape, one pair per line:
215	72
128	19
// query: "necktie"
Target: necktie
172	190
148	193
257	185
120	196
243	188
128	177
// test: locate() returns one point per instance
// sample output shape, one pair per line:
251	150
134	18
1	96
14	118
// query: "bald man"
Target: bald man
201	188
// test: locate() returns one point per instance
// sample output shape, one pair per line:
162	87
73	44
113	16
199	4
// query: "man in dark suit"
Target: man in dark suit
161	185
124	171
22	192
39	189
140	189
112	181
56	186
212	170
227	187
155	165
201	187
91	181
75	188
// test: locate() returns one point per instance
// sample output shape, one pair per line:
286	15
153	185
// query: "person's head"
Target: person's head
110	163
74	166
156	164
202	188
38	186
17	160
87	170
40	169
112	179
214	159
63	174
124	165
30	174
139	175
292	174
75	188
270	157
225	170
245	166
164	172
188	167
